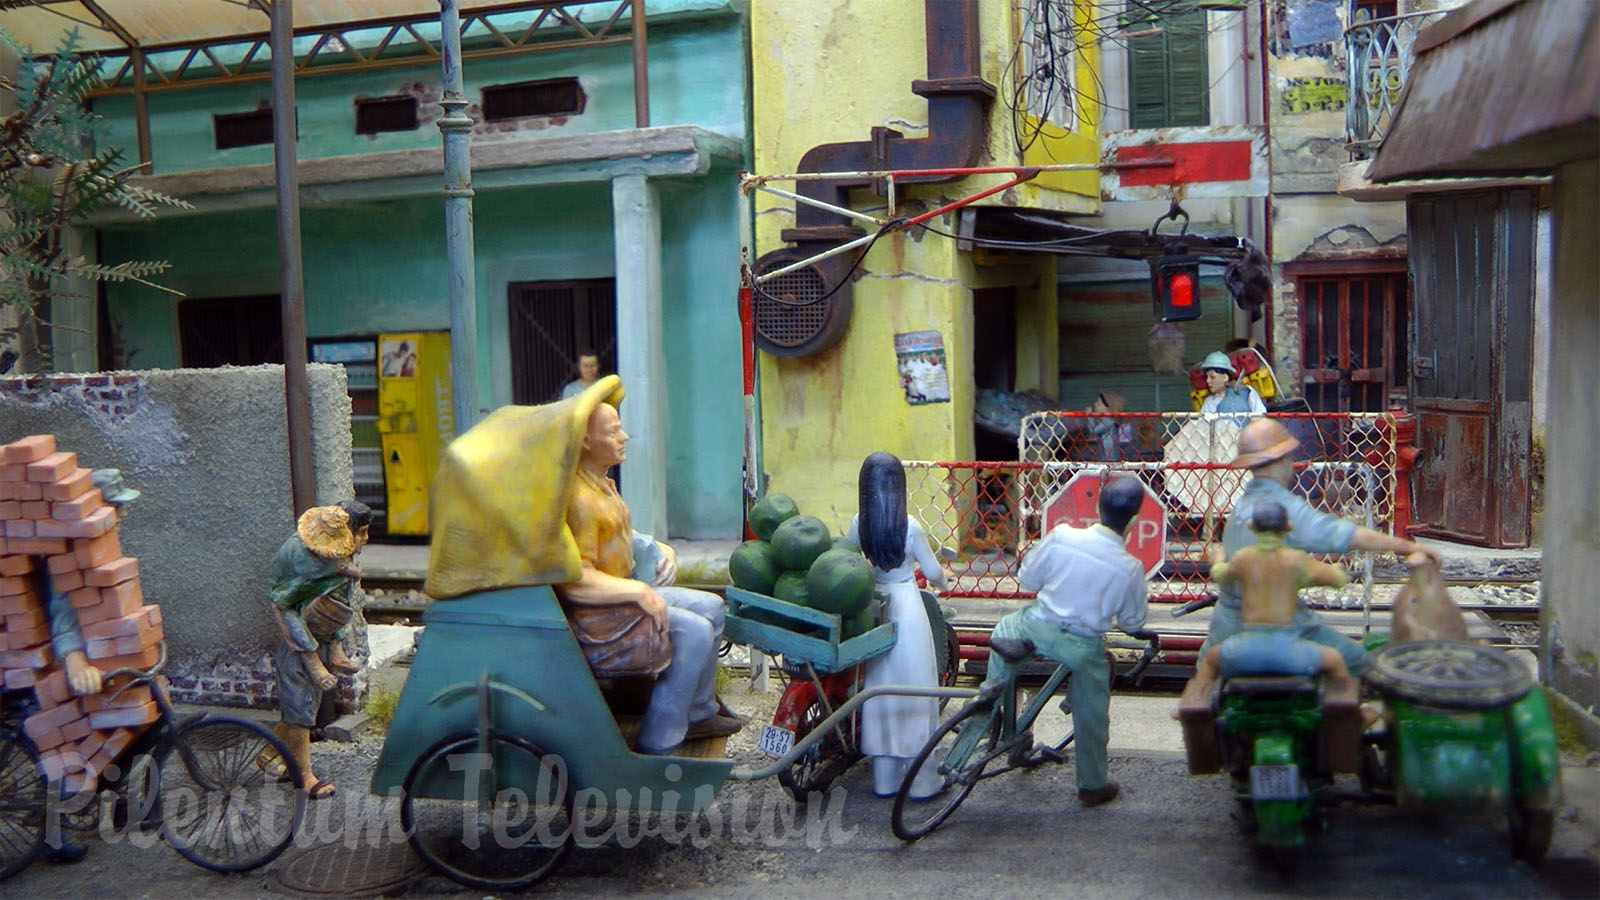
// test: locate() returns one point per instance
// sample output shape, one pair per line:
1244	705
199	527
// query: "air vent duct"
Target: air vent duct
803	312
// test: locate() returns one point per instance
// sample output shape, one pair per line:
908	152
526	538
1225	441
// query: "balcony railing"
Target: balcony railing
1379	55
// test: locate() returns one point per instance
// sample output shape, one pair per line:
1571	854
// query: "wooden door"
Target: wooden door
1472	368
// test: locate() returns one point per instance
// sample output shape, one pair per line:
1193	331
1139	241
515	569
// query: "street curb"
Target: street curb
1569	715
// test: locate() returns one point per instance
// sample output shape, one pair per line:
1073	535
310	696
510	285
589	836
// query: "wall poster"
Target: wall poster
923	374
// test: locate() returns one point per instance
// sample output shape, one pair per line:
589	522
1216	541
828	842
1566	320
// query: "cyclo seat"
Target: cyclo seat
1012	650
1269	685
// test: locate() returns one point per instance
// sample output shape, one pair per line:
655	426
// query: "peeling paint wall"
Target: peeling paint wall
830	71
207	449
1307	94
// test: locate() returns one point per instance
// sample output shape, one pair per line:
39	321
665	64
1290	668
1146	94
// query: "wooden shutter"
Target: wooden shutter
1167	76
1188	88
1147	81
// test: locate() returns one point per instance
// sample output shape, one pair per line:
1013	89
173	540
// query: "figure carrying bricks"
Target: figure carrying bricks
313	589
66	635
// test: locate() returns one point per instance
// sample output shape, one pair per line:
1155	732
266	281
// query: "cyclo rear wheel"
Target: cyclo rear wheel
961	748
510	822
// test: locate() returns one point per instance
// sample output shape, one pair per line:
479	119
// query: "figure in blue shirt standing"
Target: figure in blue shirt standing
1086	581
1266	448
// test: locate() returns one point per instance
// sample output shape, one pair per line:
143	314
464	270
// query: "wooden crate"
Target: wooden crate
821	647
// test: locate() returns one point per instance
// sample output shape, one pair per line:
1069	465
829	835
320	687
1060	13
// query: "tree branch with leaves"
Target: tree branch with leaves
53	176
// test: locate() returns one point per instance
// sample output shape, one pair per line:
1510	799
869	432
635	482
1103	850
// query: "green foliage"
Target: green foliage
52	176
380	705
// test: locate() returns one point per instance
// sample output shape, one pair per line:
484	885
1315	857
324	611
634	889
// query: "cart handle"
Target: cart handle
845	709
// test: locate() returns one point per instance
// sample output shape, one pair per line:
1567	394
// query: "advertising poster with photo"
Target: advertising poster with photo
923	374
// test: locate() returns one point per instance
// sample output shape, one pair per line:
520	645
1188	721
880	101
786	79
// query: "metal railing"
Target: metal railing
1378	53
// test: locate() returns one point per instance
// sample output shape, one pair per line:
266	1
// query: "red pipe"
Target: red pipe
1026	175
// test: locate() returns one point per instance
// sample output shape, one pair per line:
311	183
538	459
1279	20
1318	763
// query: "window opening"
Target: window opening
243	129
550	97
380	114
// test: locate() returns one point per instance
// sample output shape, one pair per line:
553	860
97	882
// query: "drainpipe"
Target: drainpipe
958	101
456	126
296	393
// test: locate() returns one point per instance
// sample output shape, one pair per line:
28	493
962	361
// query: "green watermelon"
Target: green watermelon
791	588
752	567
772	510
799	541
844	543
858	624
840	581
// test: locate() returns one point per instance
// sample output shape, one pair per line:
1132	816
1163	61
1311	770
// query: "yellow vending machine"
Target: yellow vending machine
416	420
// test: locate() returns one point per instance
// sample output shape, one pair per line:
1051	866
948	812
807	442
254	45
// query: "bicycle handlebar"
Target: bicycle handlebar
138	674
1151	648
1194	605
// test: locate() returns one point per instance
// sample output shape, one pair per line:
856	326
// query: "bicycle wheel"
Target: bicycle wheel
499	821
22	805
825	761
219	810
961	747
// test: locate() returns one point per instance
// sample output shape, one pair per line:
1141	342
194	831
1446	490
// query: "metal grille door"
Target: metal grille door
551	323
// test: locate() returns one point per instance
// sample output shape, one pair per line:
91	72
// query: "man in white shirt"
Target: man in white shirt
1086	581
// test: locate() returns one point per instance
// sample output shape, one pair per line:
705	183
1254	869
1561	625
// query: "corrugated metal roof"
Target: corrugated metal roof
1503	86
40	24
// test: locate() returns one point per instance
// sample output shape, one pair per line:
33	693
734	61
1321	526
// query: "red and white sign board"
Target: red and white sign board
1078	504
1215	161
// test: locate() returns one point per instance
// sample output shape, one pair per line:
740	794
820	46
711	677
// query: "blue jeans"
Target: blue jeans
1089	690
686	691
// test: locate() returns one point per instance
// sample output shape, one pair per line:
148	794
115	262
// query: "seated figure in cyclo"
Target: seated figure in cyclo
1270	576
623	609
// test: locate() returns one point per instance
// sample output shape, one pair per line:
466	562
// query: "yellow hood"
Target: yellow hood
499	499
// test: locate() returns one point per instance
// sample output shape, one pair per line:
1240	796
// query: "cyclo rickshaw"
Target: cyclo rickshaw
502	731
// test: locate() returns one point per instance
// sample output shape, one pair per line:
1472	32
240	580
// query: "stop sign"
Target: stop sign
1077	504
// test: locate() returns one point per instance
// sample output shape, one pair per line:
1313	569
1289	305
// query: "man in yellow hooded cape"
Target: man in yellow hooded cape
524	498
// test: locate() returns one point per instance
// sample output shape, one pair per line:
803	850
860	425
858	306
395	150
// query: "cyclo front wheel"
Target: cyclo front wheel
960	749
22	804
496	821
222	808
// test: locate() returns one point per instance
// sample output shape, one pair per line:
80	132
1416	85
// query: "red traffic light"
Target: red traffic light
1175	281
1180	290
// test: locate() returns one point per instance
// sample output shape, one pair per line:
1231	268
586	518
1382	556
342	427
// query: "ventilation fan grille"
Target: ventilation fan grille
783	322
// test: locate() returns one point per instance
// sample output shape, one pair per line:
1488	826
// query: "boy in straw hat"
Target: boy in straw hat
313	572
1266	448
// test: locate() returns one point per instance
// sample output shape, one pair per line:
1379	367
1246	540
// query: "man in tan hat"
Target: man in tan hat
1266	448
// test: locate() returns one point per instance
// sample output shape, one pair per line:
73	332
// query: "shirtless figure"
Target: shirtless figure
1270	576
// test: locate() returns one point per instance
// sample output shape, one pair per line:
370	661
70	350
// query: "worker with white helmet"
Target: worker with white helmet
1227	395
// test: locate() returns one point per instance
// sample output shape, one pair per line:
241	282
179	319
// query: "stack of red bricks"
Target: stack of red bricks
54	523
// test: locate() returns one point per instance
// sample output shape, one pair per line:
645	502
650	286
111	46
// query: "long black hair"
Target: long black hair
882	511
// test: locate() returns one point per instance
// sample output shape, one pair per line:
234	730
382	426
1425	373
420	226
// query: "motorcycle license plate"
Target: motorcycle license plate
775	741
1275	782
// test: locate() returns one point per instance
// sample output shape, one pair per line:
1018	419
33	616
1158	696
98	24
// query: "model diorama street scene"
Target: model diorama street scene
878	448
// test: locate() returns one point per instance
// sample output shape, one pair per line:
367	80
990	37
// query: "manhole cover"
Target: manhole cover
334	870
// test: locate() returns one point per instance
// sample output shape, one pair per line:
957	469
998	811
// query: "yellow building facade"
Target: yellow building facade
832	71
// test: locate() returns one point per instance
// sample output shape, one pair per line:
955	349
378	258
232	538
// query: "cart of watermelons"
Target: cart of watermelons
800	593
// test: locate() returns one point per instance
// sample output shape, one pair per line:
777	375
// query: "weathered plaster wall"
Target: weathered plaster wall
380	267
695	68
207	449
1307	95
826	72
1569	615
